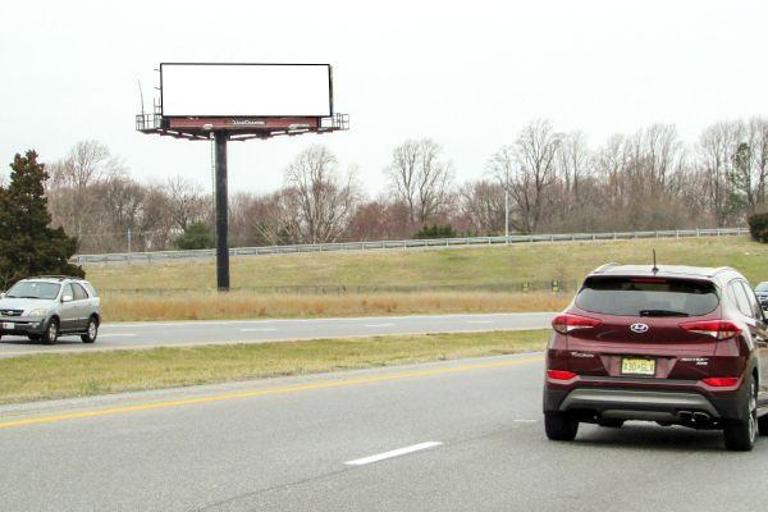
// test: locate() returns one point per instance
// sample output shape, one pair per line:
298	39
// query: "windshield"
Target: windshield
762	287
34	290
642	296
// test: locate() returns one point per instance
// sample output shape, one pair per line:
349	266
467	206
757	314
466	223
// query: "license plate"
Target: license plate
637	366
8	325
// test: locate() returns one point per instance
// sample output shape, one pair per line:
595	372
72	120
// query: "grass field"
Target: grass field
40	377
435	268
424	281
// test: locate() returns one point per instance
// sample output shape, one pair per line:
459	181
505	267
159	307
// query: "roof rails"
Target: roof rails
60	277
603	268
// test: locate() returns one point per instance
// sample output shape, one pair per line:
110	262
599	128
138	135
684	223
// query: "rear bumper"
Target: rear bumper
671	406
641	405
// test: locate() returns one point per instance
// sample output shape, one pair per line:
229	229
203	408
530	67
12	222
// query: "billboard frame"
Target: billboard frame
222	128
224	115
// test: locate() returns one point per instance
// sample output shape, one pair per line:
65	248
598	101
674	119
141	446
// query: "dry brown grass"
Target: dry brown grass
234	305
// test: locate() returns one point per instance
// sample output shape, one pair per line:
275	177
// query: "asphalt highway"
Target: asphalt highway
449	436
158	334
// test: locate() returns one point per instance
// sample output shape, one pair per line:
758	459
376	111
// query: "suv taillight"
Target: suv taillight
722	330
566	323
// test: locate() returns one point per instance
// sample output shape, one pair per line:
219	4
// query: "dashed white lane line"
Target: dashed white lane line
523	421
259	329
379	325
393	453
480	321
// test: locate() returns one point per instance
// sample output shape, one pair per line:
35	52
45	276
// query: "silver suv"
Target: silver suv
46	307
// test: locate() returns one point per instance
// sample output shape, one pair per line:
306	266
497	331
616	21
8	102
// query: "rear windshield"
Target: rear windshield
645	296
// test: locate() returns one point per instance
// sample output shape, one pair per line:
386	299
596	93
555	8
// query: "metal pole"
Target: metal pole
506	205
222	250
506	215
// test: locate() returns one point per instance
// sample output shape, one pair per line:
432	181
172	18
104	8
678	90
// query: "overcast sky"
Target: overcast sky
468	74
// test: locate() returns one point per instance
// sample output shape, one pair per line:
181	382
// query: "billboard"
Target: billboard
246	90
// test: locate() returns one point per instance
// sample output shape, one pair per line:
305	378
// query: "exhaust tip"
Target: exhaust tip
701	417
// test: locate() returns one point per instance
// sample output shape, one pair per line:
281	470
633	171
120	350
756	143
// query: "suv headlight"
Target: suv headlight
38	312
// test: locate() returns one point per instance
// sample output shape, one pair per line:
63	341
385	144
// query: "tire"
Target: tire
740	436
93	331
762	425
560	426
51	332
611	423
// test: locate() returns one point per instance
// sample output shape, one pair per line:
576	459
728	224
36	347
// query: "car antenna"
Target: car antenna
655	268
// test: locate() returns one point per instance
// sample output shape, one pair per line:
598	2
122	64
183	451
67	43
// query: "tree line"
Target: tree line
548	180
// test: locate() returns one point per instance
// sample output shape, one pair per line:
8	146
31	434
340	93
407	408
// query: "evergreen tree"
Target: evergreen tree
436	231
29	246
196	235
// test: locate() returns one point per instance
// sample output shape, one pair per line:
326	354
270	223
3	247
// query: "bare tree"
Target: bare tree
323	200
573	160
88	163
716	150
420	179
528	169
186	202
481	206
758	128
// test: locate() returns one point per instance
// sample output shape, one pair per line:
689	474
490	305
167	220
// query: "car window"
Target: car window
67	290
647	296
738	296
754	306
79	292
762	287
91	290
34	290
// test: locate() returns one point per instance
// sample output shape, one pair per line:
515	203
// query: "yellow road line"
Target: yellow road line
284	390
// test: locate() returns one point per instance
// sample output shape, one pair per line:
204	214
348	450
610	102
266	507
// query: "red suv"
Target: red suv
675	345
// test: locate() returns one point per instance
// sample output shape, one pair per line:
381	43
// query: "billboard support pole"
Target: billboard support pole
222	249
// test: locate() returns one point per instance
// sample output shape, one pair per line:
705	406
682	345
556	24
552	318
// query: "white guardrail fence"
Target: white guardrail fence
479	241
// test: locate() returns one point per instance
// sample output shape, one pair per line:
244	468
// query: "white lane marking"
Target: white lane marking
117	335
394	453
378	325
259	329
523	421
480	321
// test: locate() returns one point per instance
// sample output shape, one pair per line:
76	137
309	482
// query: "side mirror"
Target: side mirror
66	298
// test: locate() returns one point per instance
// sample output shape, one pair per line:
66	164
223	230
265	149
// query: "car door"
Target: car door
68	311
759	336
81	306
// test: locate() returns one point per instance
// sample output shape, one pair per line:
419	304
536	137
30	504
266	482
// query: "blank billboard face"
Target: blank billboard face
244	90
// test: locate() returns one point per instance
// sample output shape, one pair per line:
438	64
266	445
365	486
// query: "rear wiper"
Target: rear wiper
662	312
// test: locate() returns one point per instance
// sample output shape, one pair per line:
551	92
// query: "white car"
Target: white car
46	307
